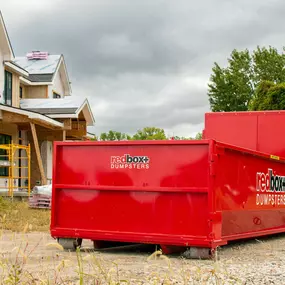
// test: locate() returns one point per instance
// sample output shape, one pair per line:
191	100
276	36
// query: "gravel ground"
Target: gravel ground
35	259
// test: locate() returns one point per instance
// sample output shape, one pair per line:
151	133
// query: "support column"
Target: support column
38	153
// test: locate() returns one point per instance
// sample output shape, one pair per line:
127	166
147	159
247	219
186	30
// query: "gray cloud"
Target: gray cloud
144	62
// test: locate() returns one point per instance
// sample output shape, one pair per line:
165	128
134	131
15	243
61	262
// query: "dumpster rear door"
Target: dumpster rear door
154	192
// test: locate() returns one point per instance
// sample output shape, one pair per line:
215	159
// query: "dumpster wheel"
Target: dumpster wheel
199	253
70	243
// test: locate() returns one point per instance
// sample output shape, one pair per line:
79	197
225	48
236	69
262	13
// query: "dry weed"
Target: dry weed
18	217
60	267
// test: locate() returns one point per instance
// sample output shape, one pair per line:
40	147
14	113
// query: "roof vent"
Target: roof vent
37	55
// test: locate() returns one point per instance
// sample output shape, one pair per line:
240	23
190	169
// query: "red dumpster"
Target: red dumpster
189	194
261	130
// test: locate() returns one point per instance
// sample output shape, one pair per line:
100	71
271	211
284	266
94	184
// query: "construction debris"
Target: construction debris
41	197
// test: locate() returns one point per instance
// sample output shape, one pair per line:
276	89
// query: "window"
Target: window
21	92
4	139
55	95
8	88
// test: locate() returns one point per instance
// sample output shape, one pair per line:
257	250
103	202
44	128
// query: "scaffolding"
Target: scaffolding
12	157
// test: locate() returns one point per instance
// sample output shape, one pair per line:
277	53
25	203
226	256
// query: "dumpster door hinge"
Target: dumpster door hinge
213	164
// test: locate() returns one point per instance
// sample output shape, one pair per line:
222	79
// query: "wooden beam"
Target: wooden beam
64	135
38	153
47	125
14	118
50	136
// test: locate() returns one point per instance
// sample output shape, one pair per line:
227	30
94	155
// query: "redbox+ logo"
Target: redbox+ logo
130	162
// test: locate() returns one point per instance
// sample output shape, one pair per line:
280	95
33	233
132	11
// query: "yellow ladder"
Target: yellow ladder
12	162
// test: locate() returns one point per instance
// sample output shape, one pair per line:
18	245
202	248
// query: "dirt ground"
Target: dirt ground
35	258
28	255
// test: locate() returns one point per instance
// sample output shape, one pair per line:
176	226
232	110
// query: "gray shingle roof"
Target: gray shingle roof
40	77
54	111
39	66
53	106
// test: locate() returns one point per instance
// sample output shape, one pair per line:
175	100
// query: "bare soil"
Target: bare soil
39	259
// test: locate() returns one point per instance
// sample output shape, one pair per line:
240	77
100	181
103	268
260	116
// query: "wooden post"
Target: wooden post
38	153
64	135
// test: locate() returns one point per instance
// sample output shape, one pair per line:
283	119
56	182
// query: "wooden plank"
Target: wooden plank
38	153
67	124
15	90
79	129
56	136
76	133
79	125
64	135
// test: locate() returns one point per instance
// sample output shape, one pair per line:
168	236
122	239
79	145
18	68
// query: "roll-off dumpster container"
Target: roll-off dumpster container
179	194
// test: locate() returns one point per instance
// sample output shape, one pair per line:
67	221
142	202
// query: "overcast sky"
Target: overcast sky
148	62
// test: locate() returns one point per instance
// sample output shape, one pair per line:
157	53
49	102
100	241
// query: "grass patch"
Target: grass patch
18	217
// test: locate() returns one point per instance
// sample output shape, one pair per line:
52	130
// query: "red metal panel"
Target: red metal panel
270	133
238	129
97	194
173	165
253	130
248	207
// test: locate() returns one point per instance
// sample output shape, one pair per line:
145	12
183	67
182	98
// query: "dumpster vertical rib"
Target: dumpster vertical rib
210	191
54	178
215	233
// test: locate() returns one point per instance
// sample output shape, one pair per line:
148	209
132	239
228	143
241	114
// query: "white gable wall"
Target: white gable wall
58	85
5	54
1	77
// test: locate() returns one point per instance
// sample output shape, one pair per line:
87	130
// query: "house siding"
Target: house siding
24	91
11	130
15	90
34	92
15	87
1	77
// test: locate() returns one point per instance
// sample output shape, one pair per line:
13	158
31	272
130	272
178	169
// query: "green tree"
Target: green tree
150	133
177	138
269	96
95	138
113	136
268	65
233	87
198	136
260	95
